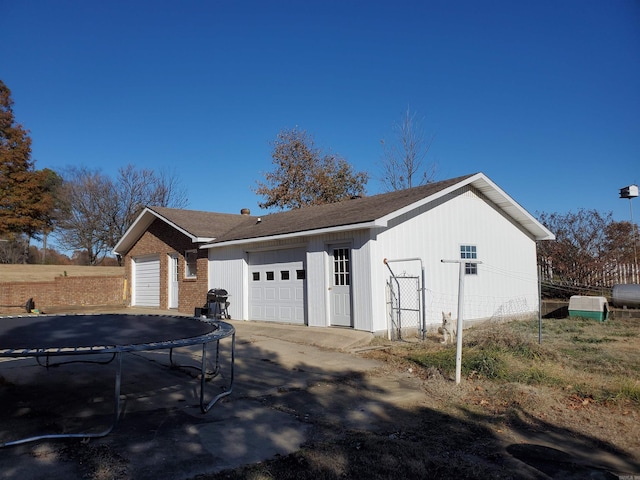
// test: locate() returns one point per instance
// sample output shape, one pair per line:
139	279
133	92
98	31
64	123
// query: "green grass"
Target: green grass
594	340
572	348
537	375
627	389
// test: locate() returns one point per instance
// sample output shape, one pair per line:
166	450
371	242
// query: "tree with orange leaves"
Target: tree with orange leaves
27	196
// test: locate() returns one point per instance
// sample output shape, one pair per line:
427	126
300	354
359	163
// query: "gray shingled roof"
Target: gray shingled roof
215	228
348	212
200	224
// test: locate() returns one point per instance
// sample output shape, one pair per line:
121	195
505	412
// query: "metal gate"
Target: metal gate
404	307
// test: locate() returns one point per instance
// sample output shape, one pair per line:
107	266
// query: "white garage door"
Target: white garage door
276	286
146	280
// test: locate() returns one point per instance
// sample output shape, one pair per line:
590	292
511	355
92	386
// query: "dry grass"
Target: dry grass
578	391
44	273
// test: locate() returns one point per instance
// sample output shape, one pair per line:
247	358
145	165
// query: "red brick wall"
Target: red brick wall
164	240
62	292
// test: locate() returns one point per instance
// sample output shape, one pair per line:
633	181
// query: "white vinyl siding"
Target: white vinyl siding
227	270
506	283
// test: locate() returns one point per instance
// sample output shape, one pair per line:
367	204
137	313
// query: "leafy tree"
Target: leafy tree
588	246
303	175
100	210
28	197
403	158
619	242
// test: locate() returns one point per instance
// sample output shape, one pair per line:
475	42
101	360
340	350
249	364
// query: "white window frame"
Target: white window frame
191	264
469	252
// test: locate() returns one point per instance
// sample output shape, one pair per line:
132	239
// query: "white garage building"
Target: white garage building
324	265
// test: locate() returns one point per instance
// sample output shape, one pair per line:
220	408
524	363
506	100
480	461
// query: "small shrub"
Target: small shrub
594	340
444	360
537	376
625	389
486	363
510	341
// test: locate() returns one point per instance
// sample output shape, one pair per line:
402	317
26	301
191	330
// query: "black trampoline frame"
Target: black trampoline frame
223	330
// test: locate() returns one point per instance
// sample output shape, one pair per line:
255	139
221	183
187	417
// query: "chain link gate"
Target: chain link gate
403	306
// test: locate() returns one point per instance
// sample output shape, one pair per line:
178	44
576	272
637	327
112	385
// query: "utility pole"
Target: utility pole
631	192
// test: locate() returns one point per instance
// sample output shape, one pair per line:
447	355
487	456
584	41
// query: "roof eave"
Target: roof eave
202	239
494	193
135	231
293	235
512	208
141	224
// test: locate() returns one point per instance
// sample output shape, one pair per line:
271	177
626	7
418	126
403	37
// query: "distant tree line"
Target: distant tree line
86	211
588	253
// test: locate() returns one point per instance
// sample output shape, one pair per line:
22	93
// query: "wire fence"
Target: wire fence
404	306
404	299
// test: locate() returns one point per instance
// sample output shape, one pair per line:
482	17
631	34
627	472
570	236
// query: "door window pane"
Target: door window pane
341	266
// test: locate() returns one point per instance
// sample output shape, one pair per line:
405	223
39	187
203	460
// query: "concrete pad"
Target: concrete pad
286	378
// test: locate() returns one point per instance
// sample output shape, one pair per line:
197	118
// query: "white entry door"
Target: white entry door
173	283
340	293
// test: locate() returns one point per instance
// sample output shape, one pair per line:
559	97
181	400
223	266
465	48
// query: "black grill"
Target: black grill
216	306
217	295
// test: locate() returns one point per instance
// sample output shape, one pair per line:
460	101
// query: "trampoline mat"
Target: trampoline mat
121	331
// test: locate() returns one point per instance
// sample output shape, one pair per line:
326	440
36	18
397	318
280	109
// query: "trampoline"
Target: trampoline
47	337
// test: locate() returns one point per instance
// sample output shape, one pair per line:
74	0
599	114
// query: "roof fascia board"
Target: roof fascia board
288	246
384	221
540	232
144	220
138	223
286	236
202	239
482	183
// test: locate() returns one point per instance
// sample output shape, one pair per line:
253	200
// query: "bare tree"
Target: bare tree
135	189
403	158
303	175
100	210
90	199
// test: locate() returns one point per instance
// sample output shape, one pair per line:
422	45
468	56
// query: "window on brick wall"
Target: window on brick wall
191	264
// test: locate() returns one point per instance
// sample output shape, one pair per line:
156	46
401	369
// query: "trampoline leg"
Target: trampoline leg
178	366
116	415
205	408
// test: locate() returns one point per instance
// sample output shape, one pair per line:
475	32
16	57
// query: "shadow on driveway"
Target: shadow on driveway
286	394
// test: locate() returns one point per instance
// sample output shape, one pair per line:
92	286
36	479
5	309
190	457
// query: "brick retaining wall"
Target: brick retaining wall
62	292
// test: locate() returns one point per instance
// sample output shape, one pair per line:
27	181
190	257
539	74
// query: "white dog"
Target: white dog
448	327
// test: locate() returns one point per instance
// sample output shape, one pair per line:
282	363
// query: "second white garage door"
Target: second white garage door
146	279
276	286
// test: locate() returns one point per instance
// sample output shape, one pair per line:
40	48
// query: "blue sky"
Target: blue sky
542	96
